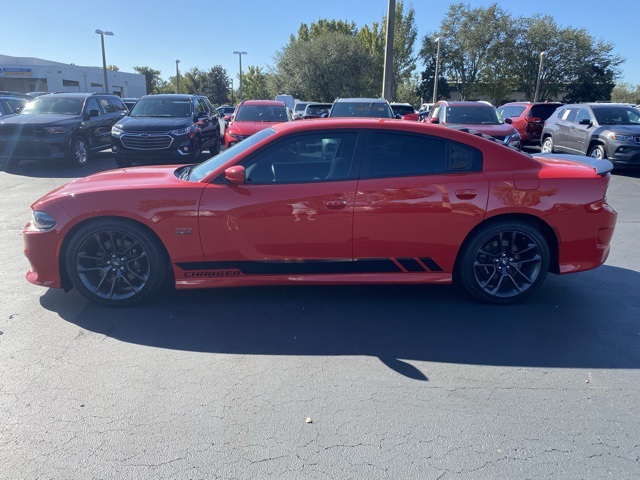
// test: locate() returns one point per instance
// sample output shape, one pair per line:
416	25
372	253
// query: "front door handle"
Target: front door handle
466	194
335	204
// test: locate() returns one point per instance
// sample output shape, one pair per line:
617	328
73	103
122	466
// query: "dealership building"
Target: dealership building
27	74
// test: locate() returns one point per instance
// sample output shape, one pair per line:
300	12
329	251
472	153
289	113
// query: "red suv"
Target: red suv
478	116
251	116
528	118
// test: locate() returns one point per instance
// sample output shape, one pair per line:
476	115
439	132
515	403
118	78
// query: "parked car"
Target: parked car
226	111
600	130
10	105
317	110
361	107
337	201
251	116
130	102
298	110
166	128
402	109
60	126
36	94
7	93
528	118
479	116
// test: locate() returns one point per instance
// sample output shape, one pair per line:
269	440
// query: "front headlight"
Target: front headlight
181	131
621	138
55	130
42	220
116	131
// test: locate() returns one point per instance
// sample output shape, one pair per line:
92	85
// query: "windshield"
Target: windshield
617	115
54	105
361	109
205	168
261	113
162	107
473	115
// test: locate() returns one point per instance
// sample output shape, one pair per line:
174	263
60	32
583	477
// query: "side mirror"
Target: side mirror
235	174
94	113
585	121
508	120
324	115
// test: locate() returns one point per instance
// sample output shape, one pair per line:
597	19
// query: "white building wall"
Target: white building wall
28	74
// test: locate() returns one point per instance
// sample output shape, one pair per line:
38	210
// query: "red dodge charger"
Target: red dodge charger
325	202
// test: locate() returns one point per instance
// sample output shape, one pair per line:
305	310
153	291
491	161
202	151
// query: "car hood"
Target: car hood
249	128
136	178
494	130
42	119
151	124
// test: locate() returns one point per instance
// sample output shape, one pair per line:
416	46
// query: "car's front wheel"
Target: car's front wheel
598	152
547	145
214	149
78	152
504	262
196	153
115	262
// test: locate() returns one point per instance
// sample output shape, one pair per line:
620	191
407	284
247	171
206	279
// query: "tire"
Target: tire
215	148
115	262
504	262
121	162
78	152
598	152
547	145
196	155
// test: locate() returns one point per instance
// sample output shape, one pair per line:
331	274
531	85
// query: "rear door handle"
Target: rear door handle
335	204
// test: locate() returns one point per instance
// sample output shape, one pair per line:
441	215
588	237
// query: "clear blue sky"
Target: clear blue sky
155	33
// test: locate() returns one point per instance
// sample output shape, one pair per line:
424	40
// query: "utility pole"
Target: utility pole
387	78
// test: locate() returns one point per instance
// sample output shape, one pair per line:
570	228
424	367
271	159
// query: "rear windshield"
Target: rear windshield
403	109
543	111
261	113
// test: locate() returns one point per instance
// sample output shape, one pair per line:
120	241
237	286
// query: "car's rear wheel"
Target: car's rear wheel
504	262
547	145
115	262
78	152
214	149
598	152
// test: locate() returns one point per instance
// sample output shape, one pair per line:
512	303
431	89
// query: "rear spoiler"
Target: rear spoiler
601	167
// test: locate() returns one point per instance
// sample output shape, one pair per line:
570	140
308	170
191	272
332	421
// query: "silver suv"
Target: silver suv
600	130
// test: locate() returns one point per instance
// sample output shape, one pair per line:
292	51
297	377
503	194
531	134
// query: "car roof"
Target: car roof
360	100
263	102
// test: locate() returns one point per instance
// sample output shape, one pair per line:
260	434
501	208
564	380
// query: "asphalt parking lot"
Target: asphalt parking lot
376	382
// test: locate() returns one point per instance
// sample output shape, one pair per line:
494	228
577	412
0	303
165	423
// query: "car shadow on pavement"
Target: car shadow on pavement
46	168
578	321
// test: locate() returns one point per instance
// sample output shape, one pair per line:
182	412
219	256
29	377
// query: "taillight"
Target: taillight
533	120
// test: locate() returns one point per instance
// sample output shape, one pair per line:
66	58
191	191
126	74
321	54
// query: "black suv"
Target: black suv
600	130
166	128
60	125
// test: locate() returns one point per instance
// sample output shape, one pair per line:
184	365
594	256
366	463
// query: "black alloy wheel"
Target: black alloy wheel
115	262
505	262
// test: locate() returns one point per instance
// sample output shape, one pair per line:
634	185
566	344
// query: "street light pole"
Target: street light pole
535	95
240	53
387	74
232	102
102	33
435	76
177	76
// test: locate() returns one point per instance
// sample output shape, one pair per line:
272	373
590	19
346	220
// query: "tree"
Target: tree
470	35
113	68
152	78
324	26
215	85
322	68
626	93
255	84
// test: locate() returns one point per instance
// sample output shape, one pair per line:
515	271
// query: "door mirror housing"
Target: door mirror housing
235	174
